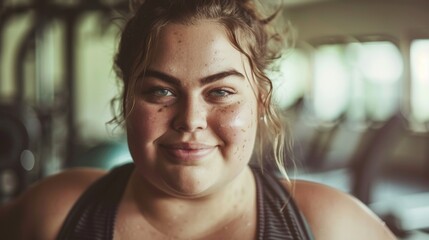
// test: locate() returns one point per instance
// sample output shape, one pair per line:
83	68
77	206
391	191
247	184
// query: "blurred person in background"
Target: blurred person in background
196	105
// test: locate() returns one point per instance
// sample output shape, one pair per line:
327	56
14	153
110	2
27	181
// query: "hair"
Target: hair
248	31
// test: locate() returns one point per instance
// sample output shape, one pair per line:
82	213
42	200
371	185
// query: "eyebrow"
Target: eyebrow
205	80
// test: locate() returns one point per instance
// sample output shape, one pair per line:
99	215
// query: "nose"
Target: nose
191	115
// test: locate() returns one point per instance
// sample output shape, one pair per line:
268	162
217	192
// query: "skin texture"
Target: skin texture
191	137
192	126
191	132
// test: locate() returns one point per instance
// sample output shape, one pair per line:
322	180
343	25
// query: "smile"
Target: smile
185	152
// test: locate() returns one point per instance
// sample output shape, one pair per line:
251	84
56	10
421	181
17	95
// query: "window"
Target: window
419	89
381	65
331	81
290	78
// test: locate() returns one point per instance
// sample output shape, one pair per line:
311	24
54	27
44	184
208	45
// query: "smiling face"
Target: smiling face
192	127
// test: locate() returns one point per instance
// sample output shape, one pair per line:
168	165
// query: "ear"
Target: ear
261	109
261	98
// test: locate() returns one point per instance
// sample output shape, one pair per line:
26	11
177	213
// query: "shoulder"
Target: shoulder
40	211
332	214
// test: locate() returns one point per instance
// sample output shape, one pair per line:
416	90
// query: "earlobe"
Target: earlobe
263	119
262	115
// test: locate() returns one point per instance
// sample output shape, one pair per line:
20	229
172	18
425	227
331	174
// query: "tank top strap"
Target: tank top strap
93	215
278	215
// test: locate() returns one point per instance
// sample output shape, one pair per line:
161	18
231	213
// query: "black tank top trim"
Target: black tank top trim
93	215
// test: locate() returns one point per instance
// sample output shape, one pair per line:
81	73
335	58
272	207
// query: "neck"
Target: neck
174	216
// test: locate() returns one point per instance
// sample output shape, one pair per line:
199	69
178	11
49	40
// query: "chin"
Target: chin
187	194
190	188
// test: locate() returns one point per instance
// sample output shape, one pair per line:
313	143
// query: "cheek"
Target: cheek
237	126
145	125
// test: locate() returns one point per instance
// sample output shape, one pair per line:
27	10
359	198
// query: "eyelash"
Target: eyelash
158	90
226	93
158	94
162	94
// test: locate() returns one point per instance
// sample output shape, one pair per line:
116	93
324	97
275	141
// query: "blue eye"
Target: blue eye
221	93
162	92
158	95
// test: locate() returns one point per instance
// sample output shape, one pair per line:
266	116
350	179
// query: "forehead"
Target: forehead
199	49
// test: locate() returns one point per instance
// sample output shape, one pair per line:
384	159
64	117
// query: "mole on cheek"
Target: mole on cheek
162	109
179	36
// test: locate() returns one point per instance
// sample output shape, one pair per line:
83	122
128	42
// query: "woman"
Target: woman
196	103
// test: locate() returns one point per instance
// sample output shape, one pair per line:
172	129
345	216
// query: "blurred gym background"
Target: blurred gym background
355	90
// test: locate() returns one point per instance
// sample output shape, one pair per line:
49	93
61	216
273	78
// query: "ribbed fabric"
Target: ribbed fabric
278	216
93	215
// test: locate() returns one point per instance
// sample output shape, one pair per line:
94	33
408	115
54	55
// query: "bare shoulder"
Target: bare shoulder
333	214
40	211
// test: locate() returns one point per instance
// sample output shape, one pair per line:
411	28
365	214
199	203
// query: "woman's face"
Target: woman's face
192	127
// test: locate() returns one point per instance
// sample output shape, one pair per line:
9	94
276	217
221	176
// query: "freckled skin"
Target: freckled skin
190	53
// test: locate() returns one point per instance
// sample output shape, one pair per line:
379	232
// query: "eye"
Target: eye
221	93
161	92
159	95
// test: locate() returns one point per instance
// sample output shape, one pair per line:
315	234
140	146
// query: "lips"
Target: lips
187	152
